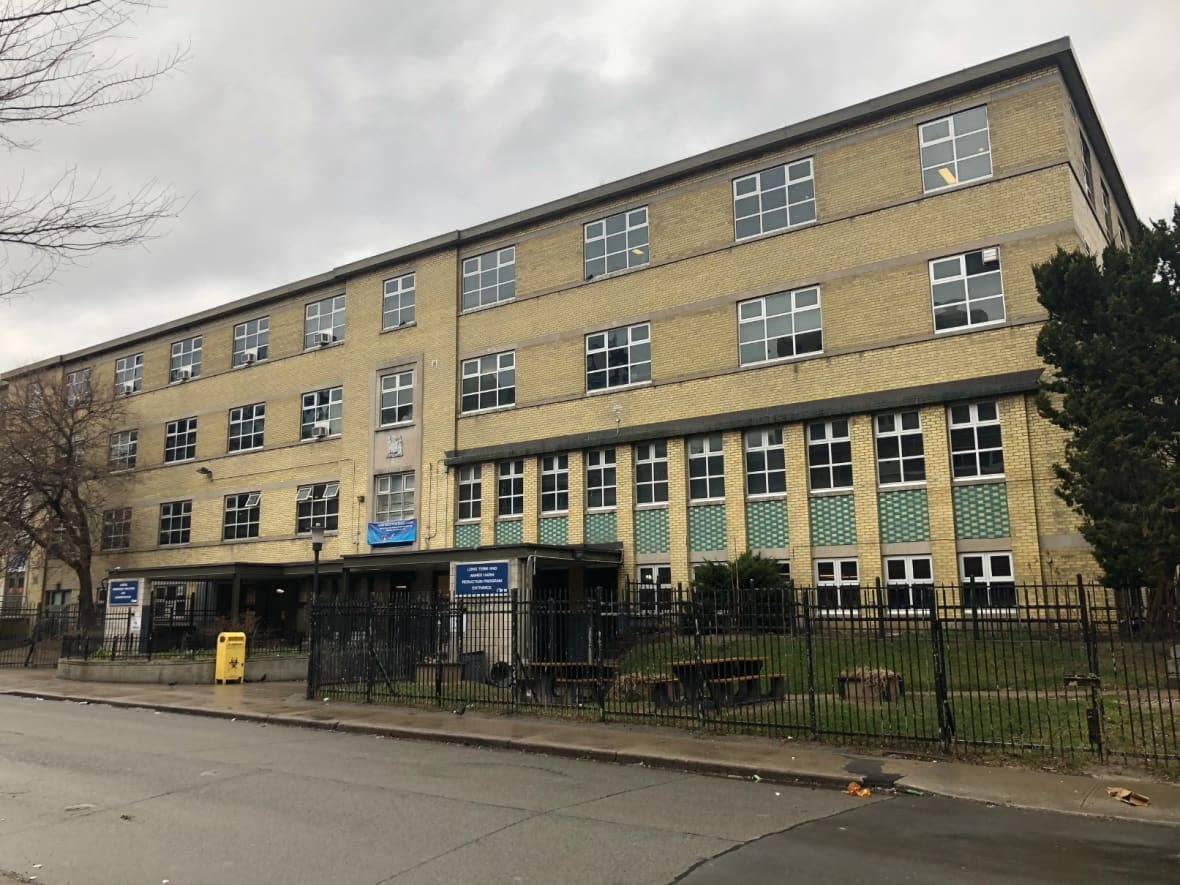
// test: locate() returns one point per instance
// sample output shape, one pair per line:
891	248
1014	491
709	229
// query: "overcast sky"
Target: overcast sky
308	134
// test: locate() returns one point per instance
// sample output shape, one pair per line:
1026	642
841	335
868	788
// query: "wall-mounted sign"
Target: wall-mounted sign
396	531
123	593
481	578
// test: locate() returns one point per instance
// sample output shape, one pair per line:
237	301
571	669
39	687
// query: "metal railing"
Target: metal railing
31	636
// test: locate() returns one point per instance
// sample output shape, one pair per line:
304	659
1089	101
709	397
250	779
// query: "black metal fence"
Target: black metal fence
1059	669
31	636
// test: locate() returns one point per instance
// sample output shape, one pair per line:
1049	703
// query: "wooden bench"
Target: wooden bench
662	690
578	689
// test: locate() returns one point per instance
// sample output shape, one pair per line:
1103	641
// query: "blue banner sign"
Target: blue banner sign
396	531
123	593
481	579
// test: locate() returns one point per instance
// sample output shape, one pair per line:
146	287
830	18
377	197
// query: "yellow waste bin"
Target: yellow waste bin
231	657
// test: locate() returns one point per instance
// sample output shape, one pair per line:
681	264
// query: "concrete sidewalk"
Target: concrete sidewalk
782	761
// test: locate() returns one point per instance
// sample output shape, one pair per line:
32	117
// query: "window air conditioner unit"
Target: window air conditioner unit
249	356
127	388
323	338
319	430
183	373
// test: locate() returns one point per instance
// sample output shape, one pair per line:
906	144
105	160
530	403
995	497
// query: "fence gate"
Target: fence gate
31	636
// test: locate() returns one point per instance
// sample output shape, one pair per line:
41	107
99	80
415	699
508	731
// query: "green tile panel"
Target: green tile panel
766	524
509	531
981	510
467	534
651	531
905	516
706	527
833	520
553	530
601	528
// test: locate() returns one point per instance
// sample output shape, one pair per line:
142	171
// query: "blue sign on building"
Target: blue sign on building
123	593
395	531
481	579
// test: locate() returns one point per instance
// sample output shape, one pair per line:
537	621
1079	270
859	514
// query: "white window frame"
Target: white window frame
176	523
486	376
397	301
765	463
124	449
844	581
964	419
241	516
833	439
601	480
180	440
961	131
987	579
656	579
396	395
510	489
1087	167
706	464
618	242
393	496
319	406
489	278
651	474
319	502
129	370
763	196
246	427
771	322
254	336
116	529
603	352
555	483
894	431
186	354
909	583
323	315
953	274
1106	209
78	387
469	498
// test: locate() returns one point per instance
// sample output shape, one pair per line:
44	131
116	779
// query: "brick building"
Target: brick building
817	343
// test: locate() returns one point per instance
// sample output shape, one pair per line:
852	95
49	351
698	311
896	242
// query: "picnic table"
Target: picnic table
567	682
727	681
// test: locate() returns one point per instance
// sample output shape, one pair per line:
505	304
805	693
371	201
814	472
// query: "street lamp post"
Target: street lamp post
317	544
313	646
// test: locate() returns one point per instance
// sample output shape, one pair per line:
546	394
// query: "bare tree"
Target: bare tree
57	63
56	475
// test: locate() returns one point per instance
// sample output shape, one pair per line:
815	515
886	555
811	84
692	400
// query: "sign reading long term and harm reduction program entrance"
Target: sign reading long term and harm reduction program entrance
481	578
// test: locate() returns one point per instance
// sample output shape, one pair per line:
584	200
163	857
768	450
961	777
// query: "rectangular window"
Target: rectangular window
778	326
78	387
1122	236
909	583
317	505
955	150
615	243
251	341
397	304
180	440
618	357
116	529
706	468
976	445
654	588
489	382
600	479
555	483
901	456
510	488
766	465
651	473
323	322
988	584
176	520
124	448
489	278
1106	211
186	360
246	427
837	586
241	516
397	398
773	199
393	496
322	413
129	374
470	492
1087	168
966	290
829	455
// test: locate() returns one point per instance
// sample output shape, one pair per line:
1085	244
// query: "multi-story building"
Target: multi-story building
817	344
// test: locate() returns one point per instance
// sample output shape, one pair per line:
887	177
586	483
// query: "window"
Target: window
78	387
618	357
322	414
470	491
186	360
323	322
766	467
489	382
955	150
967	290
251	341
489	278
909	583
976	445
394	496
1087	168
655	588
600	479
987	581
829	455
616	243
510	489
651	473
900	453
706	468
773	199
241	516
124	447
397	304
246	426
1122	235
129	374
782	325
176	518
1106	211
397	398
837	589
180	440
555	483
317	505
116	529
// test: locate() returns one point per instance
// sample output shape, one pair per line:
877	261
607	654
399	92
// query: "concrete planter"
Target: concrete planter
869	685
272	668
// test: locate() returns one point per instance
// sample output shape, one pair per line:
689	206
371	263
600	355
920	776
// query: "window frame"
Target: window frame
912	587
498	390
760	321
472	268
651	458
654	595
828	442
309	412
245	508
399	388
975	424
129	373
180	440
185	354
78	389
765	443
708	458
252	428
401	289
761	190
634	349
953	137
510	489
554	487
965	277
900	433
127	460
406	494
601	479
988	583
469	494
840	583
332	307
256	339
636	235
116	529
307	497
176	519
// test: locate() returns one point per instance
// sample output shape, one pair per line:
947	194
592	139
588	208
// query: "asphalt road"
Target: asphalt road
92	795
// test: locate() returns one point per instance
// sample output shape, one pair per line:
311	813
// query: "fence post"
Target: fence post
313	648
974	607
812	708
1094	713
697	650
438	656
598	658
880	608
370	651
946	718
514	644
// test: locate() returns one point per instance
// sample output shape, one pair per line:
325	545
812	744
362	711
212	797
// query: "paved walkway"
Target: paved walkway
770	759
